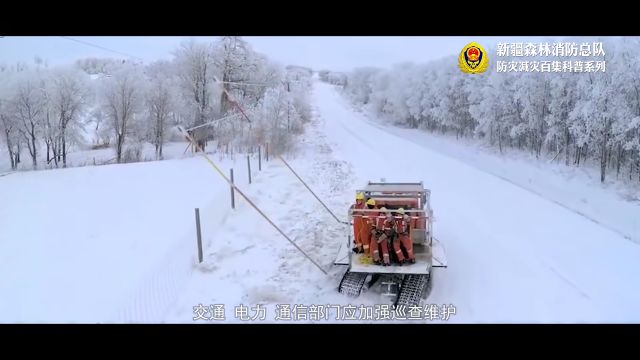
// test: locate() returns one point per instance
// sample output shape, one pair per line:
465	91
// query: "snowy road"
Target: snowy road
513	256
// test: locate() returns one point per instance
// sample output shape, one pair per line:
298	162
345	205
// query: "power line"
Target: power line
101	47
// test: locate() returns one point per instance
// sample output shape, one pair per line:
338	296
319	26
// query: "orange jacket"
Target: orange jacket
403	224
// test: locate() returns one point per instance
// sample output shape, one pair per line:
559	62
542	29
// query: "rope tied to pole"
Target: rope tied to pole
251	202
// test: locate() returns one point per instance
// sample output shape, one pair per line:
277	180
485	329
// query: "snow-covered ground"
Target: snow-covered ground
250	264
614	204
122	245
109	243
514	256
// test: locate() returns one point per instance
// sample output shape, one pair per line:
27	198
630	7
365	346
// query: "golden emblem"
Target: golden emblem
473	59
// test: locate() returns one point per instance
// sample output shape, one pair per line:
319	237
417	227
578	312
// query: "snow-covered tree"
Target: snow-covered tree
10	133
582	115
360	84
123	104
234	61
196	70
160	102
28	106
123	99
67	98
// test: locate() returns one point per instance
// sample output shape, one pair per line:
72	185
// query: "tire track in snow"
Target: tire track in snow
570	283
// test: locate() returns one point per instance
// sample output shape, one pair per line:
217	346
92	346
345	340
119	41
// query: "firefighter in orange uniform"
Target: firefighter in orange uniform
380	236
368	224
360	238
402	228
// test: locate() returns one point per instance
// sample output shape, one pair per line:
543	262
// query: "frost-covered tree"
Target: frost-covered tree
494	109
160	102
10	134
67	100
96	66
123	104
235	61
238	85
196	70
360	84
123	97
28	103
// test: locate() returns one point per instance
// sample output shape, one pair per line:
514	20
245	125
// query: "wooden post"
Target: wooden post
249	167
259	158
199	235
233	199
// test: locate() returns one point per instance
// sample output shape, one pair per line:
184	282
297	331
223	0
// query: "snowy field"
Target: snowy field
109	243
117	243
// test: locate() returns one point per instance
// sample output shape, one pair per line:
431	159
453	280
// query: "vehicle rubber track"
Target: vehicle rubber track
412	290
352	283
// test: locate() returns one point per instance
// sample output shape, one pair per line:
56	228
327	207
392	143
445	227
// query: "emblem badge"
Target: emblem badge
473	59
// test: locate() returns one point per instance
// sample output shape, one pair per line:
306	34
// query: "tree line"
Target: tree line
101	102
568	116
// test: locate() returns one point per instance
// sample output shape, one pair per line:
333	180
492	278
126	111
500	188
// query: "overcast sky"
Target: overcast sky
318	52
